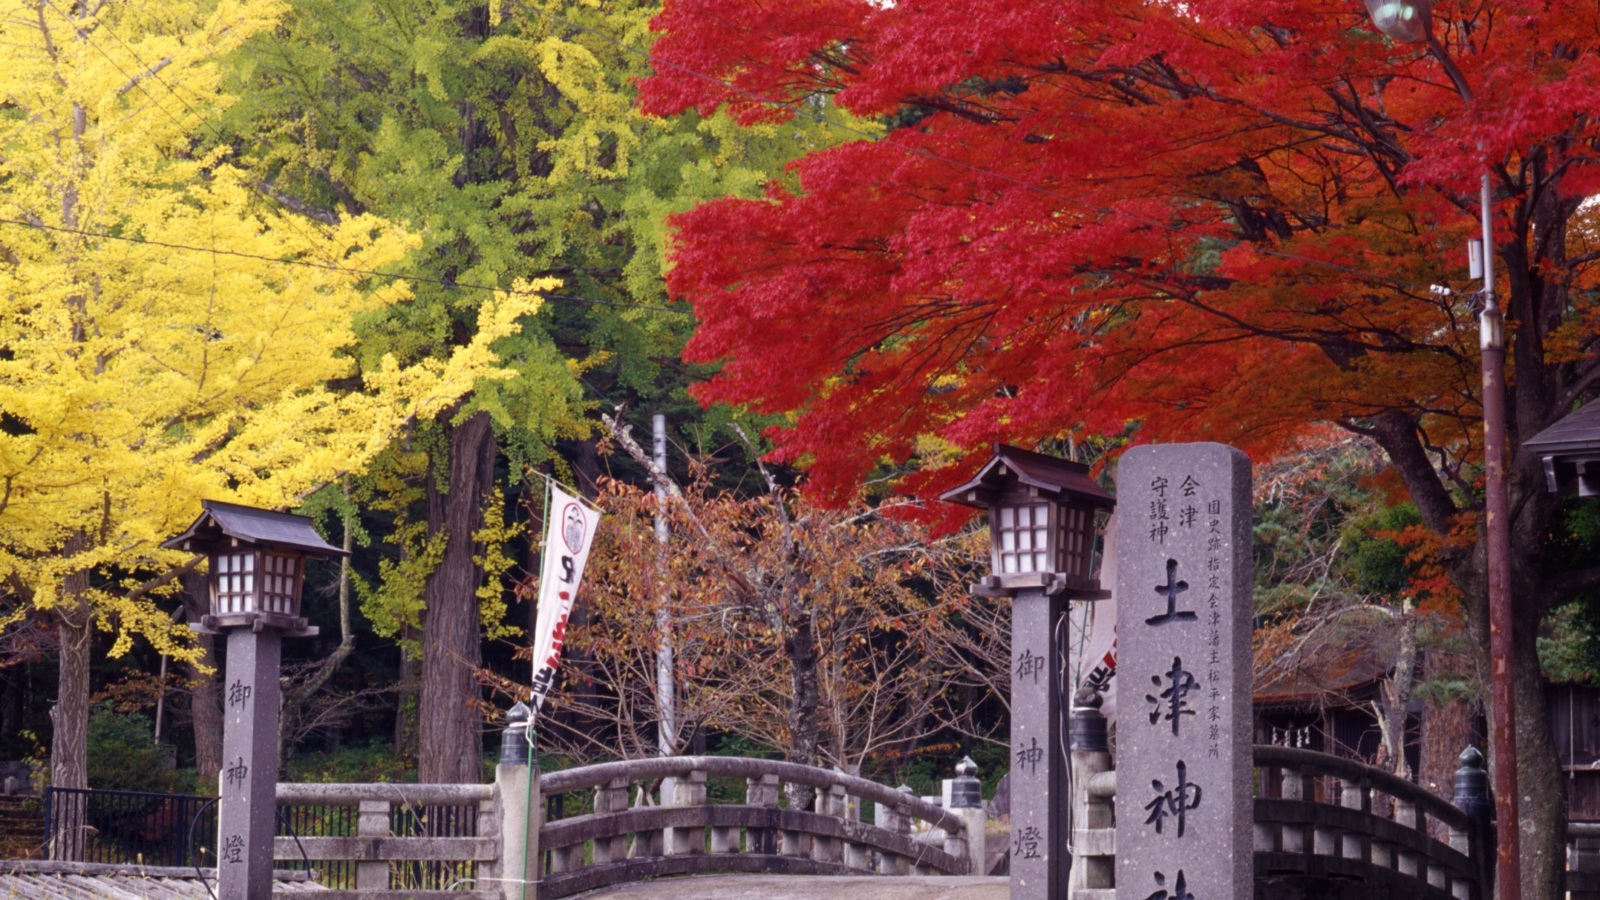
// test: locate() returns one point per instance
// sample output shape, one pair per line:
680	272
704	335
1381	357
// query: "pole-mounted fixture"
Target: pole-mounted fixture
1042	528
256	572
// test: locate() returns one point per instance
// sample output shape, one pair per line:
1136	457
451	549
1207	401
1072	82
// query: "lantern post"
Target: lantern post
256	576
1042	527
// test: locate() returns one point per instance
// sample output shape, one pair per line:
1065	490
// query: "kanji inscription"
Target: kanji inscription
1183	642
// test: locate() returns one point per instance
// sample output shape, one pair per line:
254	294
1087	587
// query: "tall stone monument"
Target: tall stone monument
1184	573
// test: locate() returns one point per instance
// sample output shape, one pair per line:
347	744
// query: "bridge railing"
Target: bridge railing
1316	816
1338	817
652	817
381	840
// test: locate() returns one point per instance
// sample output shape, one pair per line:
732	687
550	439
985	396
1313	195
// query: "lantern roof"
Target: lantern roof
248	525
1577	432
1060	479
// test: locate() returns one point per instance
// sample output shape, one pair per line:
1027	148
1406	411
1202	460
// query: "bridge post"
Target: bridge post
966	801
1093	821
516	792
1472	797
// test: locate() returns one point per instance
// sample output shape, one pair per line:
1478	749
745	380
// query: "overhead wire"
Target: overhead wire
336	268
154	73
795	108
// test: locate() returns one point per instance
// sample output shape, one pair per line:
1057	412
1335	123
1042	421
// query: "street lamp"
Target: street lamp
257	563
1041	545
1408	21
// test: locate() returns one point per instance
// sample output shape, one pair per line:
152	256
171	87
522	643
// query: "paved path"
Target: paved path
808	887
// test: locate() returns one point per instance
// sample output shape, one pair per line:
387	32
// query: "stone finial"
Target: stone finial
1471	758
515	747
966	792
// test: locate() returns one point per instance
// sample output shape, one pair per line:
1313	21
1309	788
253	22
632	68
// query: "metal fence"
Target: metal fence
129	827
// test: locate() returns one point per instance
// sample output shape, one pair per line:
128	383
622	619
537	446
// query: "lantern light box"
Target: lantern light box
1041	519
257	560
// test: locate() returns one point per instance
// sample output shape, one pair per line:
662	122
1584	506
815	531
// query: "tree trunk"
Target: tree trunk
205	678
69	718
451	750
800	646
69	742
1542	789
405	718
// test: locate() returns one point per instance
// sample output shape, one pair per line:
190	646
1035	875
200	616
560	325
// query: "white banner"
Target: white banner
567	537
1092	632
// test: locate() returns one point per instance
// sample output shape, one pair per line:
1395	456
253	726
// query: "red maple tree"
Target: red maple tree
1209	220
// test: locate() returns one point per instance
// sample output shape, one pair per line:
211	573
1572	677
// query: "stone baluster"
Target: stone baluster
725	838
1357	795
1407	861
1264	835
830	802
790	841
488	826
1298	785
648	842
611	797
688	790
856	856
762	792
890	818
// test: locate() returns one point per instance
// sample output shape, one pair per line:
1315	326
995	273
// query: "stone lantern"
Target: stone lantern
1570	450
1042	514
1041	520
257	571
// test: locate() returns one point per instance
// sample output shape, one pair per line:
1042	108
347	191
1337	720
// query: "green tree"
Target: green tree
509	143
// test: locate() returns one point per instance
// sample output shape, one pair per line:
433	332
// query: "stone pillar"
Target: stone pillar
247	785
1039	857
1184	577
516	791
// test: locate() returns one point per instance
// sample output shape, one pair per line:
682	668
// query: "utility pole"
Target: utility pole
1497	514
666	685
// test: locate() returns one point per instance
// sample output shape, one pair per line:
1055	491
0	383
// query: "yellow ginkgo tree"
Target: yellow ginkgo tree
165	334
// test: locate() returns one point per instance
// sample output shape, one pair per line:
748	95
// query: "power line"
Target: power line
801	110
333	268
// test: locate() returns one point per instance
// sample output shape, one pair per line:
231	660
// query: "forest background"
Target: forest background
391	264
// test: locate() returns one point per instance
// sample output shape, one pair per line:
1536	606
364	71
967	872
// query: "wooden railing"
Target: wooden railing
1340	818
668	827
1583	860
392	841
